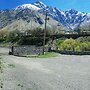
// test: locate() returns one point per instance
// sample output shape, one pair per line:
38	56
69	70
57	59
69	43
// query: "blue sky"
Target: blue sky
81	5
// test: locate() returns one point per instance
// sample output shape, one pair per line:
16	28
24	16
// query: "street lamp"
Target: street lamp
44	37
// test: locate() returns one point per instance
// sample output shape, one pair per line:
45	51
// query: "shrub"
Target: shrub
14	36
69	44
80	44
77	48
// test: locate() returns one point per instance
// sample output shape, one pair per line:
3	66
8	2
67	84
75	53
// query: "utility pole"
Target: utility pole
44	37
31	20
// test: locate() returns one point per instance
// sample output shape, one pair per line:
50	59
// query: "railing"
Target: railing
72	52
70	35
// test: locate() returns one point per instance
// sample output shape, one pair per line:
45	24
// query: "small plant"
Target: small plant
1	66
1	71
29	89
1	86
21	86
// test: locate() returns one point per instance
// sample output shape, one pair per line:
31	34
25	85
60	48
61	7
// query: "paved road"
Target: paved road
63	72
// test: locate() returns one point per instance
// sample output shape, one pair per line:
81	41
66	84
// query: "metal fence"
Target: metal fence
72	52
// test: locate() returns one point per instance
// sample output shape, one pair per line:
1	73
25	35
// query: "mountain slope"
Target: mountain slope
28	16
22	20
71	19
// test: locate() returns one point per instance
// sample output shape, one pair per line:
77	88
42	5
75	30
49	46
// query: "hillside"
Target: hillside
29	16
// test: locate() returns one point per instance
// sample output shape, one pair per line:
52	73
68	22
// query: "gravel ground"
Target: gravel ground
63	72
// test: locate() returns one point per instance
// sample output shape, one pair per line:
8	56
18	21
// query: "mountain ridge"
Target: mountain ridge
70	19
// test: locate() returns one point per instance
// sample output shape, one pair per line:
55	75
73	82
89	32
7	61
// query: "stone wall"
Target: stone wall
27	50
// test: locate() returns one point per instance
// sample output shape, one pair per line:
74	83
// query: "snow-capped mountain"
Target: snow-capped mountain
39	4
25	6
71	19
25	19
34	6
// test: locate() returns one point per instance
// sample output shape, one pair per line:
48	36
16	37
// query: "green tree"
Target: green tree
14	36
83	46
69	44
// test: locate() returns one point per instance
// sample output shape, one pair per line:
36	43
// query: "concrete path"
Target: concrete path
59	73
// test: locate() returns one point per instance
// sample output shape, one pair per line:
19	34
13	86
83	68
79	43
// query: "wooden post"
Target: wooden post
12	50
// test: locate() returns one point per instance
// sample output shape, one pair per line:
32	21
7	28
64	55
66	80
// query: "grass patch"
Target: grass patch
46	55
1	66
11	65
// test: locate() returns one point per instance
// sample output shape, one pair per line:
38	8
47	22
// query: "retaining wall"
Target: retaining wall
27	50
72	52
